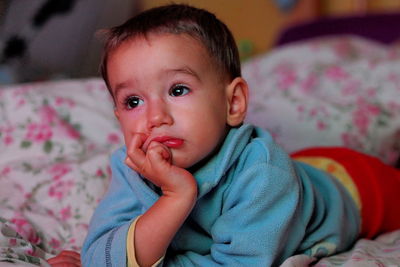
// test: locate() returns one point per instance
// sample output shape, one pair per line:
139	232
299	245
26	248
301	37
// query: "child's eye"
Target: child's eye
132	102
179	90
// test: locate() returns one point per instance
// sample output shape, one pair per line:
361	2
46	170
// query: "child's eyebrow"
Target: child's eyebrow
185	70
120	86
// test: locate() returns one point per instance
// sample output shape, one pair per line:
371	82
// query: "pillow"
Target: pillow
336	91
55	138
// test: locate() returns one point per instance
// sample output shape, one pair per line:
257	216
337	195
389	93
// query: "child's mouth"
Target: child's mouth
169	141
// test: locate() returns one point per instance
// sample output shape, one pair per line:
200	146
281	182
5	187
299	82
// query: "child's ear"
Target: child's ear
237	96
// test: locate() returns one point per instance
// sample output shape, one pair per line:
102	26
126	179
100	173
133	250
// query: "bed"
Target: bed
56	137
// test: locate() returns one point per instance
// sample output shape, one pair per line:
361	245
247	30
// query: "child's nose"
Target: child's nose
158	114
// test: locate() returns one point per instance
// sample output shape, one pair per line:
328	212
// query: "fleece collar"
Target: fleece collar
209	175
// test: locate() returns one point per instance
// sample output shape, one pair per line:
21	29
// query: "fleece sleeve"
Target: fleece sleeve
105	244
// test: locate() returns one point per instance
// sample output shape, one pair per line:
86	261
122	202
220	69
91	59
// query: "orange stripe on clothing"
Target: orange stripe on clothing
336	170
378	186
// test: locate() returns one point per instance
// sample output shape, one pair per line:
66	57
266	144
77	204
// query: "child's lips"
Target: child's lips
171	142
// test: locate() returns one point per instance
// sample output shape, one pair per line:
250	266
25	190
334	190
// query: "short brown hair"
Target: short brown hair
179	19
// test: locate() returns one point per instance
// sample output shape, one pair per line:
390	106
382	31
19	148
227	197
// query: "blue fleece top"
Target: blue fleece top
256	207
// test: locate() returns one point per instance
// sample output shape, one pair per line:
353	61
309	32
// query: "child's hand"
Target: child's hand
179	194
156	165
67	258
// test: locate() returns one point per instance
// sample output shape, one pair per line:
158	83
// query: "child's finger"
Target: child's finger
152	161
131	164
63	263
135	154
70	253
65	260
57	262
136	142
157	153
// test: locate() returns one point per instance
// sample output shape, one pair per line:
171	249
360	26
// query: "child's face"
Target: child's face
167	88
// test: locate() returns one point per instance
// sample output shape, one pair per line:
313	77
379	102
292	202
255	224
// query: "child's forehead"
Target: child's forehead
182	40
195	42
154	37
162	55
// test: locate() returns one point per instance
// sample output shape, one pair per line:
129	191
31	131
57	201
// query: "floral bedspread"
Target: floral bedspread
337	91
56	138
55	142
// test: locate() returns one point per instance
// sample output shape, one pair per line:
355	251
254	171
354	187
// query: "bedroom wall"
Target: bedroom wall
331	7
258	22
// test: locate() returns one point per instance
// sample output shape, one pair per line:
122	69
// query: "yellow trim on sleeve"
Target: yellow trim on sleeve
130	247
336	170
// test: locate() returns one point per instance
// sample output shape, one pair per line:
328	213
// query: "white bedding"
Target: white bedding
56	138
338	91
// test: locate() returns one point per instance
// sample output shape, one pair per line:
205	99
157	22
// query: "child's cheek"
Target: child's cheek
127	129
133	122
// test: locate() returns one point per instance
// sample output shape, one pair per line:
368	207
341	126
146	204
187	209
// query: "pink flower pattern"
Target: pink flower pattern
328	92
113	138
25	229
58	170
65	213
38	132
52	160
336	73
6	132
363	115
286	76
60	189
54	243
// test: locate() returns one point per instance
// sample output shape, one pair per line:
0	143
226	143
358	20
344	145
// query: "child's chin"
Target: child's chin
180	164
